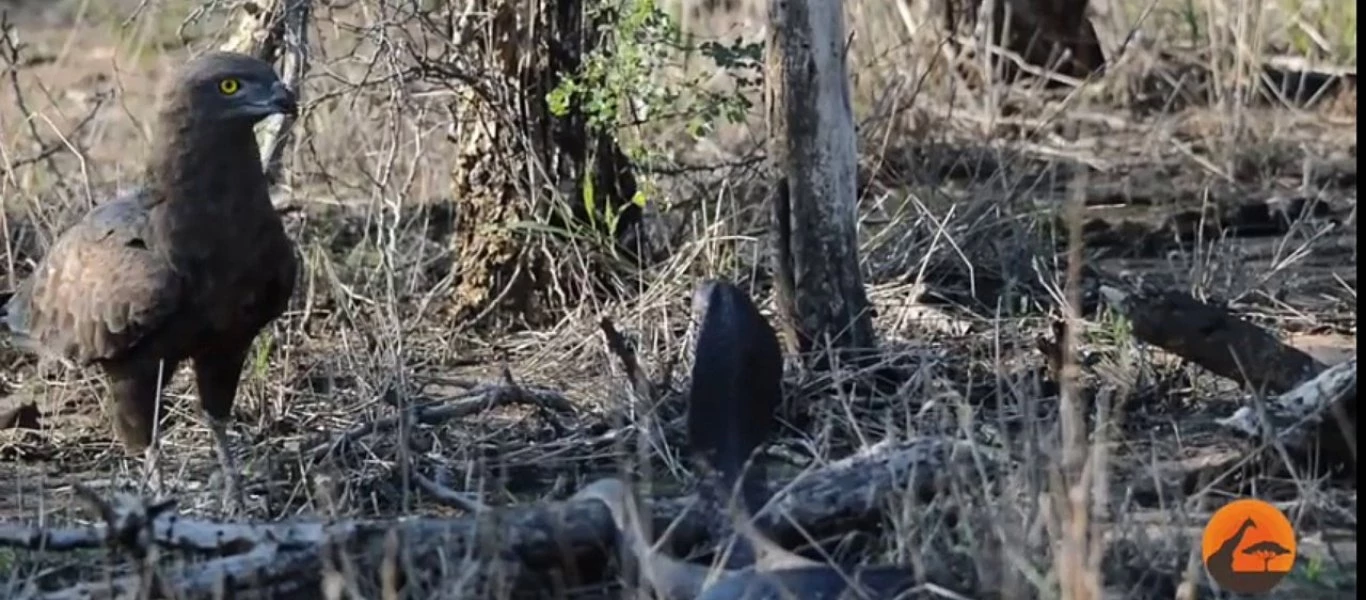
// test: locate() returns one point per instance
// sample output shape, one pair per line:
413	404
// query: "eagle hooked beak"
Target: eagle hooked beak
283	100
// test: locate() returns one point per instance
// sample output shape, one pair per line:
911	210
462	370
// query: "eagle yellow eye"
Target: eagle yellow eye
229	86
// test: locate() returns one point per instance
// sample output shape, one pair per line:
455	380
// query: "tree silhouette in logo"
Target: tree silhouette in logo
1269	550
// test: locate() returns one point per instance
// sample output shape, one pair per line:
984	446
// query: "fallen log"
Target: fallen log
1213	338
511	548
1314	411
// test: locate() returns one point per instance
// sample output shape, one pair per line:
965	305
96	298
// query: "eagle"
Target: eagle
190	264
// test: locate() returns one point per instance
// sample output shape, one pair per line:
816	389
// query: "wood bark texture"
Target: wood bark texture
1313	411
520	549
514	152
813	148
1213	338
1316	420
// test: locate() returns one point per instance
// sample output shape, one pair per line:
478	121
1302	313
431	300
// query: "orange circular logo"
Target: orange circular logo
1248	547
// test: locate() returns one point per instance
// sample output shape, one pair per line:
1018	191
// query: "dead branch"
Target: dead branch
265	565
1322	409
11	53
549	535
479	399
448	496
1213	338
278	28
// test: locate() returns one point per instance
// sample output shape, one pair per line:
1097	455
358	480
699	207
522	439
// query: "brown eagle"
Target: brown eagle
191	264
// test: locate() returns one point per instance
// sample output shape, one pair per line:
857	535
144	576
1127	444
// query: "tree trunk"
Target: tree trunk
518	163
1054	35
812	145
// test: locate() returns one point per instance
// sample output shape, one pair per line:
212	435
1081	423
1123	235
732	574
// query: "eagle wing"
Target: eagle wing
100	291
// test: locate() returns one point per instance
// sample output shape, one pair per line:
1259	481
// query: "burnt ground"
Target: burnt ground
964	237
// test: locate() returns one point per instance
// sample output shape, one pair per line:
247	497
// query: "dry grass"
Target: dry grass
964	249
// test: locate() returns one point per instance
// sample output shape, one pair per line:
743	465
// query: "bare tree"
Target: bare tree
812	146
1267	550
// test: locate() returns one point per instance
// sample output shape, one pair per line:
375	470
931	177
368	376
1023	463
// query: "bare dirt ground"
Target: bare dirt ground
1249	204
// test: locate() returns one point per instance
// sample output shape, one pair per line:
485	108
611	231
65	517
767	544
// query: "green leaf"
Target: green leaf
590	202
559	98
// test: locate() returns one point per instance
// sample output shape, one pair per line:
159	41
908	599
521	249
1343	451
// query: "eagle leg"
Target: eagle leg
217	373
234	502
151	471
134	391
